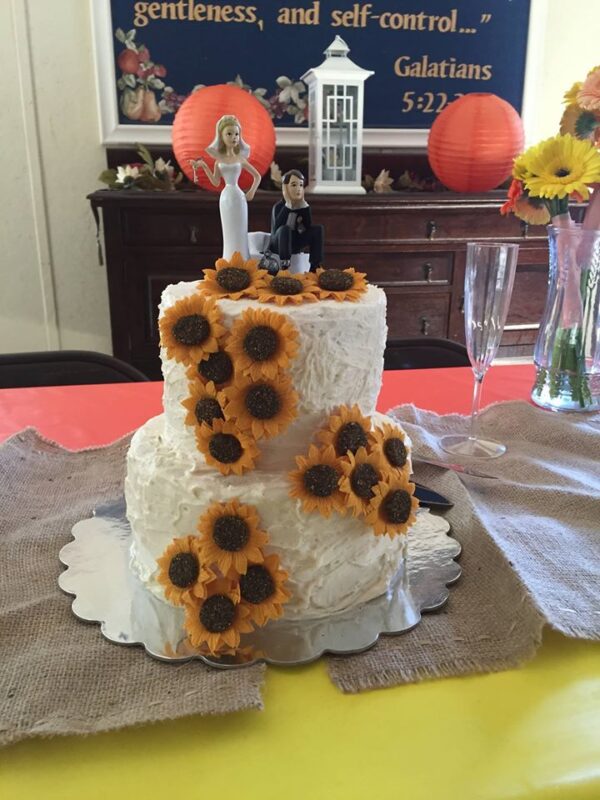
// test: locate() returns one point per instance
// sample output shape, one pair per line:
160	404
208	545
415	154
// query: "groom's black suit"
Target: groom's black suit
292	230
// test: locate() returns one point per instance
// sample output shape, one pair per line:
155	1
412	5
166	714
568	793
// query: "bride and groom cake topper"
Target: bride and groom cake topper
291	224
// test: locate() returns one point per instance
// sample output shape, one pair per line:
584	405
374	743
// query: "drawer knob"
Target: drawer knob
194	231
431	229
425	325
427	271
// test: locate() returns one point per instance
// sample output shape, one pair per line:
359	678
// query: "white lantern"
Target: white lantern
335	119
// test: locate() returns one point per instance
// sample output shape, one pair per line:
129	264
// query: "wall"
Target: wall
54	292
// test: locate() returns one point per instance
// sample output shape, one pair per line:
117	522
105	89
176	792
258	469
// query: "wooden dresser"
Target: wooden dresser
412	244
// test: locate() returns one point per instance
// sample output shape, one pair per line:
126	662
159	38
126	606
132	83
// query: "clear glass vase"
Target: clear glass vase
567	351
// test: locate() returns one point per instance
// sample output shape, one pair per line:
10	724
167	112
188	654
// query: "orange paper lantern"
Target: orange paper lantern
473	142
194	130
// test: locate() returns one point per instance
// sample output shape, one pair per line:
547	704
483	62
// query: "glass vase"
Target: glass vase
567	351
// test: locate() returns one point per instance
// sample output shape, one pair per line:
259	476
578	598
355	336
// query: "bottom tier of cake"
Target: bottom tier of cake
333	563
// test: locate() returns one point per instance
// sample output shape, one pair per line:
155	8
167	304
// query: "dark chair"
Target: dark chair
64	368
424	353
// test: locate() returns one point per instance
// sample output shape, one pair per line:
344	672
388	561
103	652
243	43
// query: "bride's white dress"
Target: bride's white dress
233	208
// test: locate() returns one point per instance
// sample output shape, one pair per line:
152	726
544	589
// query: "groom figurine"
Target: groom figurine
291	224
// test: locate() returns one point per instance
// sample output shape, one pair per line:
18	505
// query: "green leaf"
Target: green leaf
145	154
120	35
130	80
131	35
108	176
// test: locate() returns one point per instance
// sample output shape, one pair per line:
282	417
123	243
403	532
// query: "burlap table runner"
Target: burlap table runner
531	547
58	675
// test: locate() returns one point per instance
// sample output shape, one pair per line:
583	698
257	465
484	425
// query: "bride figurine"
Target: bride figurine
231	152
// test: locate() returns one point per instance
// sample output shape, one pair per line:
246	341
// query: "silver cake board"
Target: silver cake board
106	591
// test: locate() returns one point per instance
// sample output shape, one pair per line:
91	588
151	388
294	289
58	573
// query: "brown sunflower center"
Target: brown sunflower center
285	285
395	451
184	570
261	342
225	447
263	401
561	172
335	280
218	367
231	533
233	279
257	585
217	613
193	329
362	480
350	437
320	480
208	409
397	506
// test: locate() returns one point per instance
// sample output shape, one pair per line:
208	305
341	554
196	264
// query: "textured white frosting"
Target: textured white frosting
333	563
339	362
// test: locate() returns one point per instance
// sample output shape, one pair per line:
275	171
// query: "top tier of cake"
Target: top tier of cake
339	362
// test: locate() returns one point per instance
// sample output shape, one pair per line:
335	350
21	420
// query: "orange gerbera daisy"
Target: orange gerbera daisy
262	342
394	508
346	429
262	590
532	210
231	536
264	407
340	284
316	481
217	621
361	472
288	287
514	192
181	571
233	279
216	367
390	442
202	404
227	448
190	329
588	95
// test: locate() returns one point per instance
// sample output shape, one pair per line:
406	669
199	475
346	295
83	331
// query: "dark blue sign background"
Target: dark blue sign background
423	53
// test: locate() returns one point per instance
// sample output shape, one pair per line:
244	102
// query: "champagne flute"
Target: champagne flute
489	280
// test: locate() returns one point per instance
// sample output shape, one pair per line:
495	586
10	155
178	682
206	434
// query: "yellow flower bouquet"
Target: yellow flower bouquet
545	178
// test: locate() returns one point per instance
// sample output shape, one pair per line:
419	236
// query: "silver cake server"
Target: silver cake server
462	468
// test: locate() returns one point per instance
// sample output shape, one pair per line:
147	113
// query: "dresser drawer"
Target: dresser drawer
394	269
422	314
377	224
152	228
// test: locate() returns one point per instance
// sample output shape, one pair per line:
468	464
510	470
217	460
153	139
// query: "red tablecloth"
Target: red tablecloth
84	416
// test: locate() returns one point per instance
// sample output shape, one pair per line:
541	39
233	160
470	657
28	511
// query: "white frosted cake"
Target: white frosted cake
269	486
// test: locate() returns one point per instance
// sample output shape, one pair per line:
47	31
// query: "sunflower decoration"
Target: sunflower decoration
390	443
230	537
562	165
340	284
347	430
361	473
393	509
316	481
263	342
182	572
227	448
233	279
264	407
290	288
262	590
191	328
202	404
216	367
216	622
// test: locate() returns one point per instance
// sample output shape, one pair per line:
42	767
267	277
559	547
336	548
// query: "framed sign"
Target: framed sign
151	55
